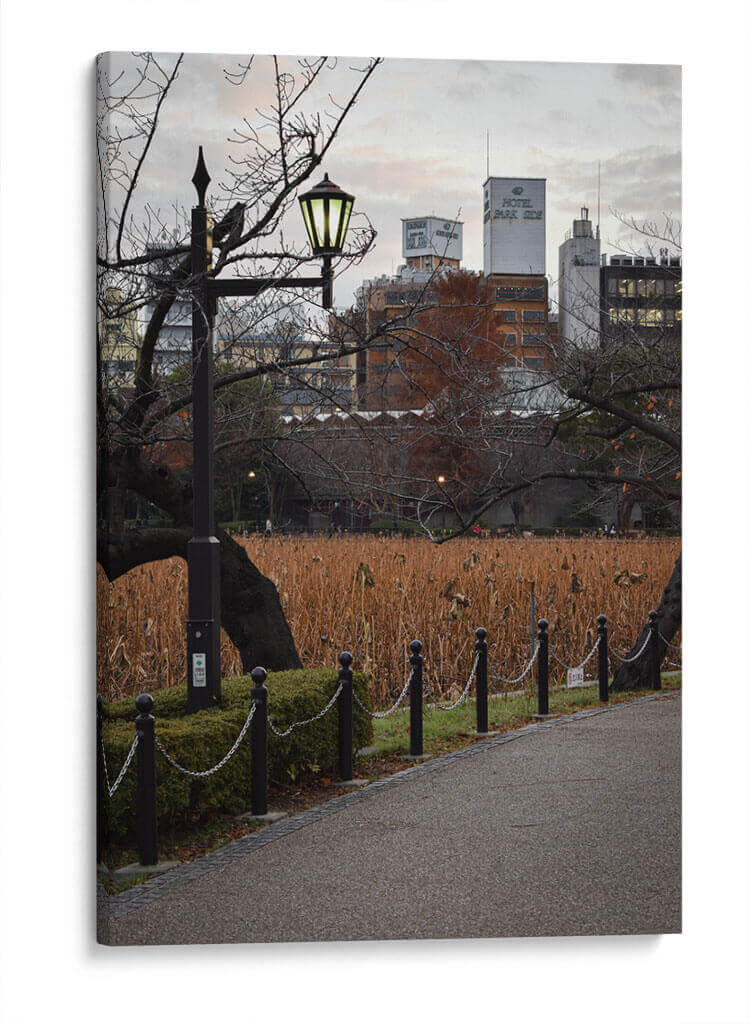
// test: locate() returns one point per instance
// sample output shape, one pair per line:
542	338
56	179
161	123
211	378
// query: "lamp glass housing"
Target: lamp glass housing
326	210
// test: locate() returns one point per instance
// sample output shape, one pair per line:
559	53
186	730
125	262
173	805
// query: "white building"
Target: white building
429	242
514	225
578	284
174	344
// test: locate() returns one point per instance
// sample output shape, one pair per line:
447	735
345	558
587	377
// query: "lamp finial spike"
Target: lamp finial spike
201	178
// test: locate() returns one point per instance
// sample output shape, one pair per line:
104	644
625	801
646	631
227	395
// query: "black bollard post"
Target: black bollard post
145	751
346	767
543	668
481	681
603	655
415	700
654	653
259	744
99	782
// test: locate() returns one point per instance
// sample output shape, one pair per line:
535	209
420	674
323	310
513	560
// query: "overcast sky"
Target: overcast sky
416	143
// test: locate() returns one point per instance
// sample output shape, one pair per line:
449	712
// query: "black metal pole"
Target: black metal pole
99	782
327	276
346	759
654	653
204	614
543	668
259	744
603	656
481	680
146	755
415	700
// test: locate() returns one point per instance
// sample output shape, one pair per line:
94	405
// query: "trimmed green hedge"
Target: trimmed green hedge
198	741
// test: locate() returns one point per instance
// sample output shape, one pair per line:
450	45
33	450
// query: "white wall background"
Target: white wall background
50	964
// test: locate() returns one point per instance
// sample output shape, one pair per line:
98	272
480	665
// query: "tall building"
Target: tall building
640	293
578	284
514	226
514	265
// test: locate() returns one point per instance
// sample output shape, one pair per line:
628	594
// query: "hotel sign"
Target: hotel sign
432	236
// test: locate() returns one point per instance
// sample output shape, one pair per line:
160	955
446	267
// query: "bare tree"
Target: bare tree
140	407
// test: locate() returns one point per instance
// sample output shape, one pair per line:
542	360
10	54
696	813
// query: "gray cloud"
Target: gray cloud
415	142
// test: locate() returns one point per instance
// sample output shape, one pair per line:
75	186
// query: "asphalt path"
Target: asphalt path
571	829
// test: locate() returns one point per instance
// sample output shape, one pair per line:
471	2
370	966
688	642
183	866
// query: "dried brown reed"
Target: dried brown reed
374	595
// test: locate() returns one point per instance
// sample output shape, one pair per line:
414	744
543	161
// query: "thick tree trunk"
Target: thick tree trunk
635	676
251	611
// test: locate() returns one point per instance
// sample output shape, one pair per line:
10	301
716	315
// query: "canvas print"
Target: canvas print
388	498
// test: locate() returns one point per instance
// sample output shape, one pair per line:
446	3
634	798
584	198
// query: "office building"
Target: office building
640	293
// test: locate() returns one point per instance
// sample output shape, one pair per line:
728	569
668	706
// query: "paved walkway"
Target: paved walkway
567	828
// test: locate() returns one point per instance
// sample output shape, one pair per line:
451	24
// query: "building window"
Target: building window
533	363
533	339
669	289
626	287
510	339
509	316
650	317
533	316
647	287
611	286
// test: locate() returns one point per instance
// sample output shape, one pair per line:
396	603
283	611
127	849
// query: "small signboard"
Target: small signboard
199	670
575	676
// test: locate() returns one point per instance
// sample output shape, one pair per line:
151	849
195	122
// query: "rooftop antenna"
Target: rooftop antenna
598	198
488	152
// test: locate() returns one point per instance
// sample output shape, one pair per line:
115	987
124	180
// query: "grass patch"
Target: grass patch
444	731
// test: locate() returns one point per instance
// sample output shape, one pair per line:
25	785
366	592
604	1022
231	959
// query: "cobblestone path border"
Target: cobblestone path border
113	907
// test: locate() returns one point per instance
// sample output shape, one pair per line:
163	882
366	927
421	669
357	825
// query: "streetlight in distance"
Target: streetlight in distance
441	479
326	211
251	474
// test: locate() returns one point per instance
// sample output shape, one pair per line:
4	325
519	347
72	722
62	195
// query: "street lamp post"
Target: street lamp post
326	210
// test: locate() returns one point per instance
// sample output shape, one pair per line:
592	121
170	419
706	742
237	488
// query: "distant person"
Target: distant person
269	528
477	530
394	528
613	530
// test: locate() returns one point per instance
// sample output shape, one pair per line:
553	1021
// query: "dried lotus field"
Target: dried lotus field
374	595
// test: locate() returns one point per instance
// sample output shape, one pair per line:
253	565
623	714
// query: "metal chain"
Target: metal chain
525	672
307	721
675	647
627	661
216	767
585	660
112	789
464	694
384	714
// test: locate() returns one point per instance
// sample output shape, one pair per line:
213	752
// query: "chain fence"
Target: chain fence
464	694
675	647
585	661
527	669
113	789
385	714
433	703
216	767
628	661
307	721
